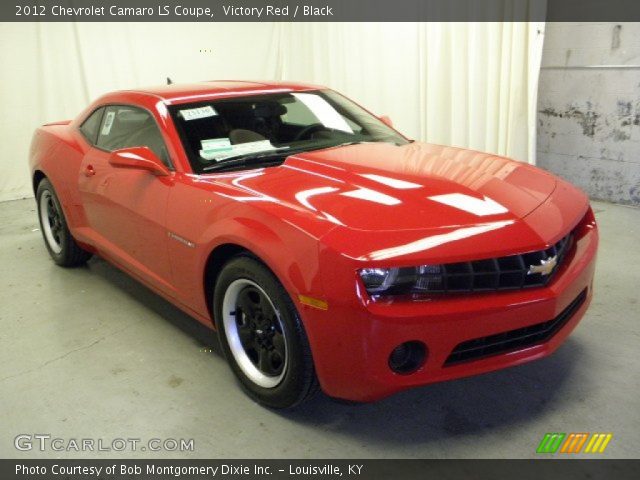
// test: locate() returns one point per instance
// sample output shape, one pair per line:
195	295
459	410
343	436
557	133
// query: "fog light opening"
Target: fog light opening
407	357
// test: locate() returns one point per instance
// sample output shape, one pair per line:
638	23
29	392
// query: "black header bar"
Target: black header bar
319	10
320	469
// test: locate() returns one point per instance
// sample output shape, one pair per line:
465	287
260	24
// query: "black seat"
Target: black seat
241	135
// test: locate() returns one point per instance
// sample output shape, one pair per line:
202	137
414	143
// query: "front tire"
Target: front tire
58	239
262	336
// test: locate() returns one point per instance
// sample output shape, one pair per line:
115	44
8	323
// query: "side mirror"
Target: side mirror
139	158
386	120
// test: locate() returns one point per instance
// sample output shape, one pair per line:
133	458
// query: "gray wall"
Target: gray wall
589	108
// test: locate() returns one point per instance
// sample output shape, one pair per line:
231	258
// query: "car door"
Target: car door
125	207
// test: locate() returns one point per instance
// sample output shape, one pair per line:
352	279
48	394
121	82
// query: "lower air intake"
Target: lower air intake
513	339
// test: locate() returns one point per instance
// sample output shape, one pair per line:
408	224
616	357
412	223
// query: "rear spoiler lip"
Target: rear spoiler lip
61	122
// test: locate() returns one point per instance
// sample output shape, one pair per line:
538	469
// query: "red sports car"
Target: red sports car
325	247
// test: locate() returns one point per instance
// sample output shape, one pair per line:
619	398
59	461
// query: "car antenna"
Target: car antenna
169	81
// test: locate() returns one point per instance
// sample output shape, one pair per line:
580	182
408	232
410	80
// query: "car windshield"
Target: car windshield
261	128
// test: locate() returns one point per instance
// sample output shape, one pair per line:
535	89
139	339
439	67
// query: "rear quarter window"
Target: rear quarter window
91	126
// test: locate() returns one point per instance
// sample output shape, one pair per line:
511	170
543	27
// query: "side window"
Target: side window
124	126
91	125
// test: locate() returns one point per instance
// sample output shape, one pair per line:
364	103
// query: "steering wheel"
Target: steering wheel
308	130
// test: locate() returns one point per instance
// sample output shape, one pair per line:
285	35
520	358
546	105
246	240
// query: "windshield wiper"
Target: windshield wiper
244	159
247	159
346	144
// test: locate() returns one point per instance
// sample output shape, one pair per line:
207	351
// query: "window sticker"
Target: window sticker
220	150
108	123
216	144
213	147
200	112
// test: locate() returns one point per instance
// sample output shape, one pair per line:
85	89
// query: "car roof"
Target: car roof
181	93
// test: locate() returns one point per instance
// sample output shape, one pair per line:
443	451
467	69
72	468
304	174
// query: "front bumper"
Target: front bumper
352	341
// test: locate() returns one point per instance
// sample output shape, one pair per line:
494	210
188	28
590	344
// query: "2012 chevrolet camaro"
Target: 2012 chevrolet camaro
324	247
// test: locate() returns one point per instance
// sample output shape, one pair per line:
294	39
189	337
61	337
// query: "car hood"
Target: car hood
380	187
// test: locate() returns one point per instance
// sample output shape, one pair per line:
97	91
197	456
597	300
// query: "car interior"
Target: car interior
241	122
252	121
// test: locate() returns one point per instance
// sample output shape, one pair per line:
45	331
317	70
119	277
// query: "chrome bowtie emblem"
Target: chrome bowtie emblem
545	267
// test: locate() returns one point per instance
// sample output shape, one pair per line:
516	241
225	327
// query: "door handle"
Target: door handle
89	171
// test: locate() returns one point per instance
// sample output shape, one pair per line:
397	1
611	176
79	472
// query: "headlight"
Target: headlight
403	281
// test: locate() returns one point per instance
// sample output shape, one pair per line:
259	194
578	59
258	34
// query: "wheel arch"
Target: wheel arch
293	263
38	176
217	258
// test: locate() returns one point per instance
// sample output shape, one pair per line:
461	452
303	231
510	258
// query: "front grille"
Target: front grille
513	339
502	273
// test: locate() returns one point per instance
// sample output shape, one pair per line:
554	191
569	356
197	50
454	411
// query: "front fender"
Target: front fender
290	254
200	220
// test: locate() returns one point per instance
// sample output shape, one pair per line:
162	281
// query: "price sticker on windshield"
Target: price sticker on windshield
200	112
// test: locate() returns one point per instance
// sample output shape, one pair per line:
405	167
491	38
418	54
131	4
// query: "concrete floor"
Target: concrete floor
90	353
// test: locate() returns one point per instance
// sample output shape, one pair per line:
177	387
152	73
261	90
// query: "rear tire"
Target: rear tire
262	336
58	239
